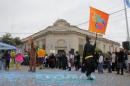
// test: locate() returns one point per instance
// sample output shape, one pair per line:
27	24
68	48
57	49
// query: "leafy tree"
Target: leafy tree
7	38
17	41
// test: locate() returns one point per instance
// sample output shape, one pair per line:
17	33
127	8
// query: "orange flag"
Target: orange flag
98	21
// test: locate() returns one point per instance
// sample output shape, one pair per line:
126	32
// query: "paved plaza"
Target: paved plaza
56	77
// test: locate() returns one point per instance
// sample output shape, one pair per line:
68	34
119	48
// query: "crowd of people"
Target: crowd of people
115	61
9	58
91	60
63	61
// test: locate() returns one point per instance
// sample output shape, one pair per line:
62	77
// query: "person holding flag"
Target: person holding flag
97	24
88	61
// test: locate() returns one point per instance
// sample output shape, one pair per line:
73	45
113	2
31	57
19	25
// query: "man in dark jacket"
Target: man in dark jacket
64	61
120	61
88	63
77	60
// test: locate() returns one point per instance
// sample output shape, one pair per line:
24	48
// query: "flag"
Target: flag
98	21
127	2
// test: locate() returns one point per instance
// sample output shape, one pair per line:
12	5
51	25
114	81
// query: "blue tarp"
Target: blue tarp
4	46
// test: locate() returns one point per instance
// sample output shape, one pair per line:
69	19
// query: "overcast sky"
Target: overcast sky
30	16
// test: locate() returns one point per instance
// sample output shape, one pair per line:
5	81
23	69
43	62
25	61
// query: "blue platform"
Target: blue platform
45	78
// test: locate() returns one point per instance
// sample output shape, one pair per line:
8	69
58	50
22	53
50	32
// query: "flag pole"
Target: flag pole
126	18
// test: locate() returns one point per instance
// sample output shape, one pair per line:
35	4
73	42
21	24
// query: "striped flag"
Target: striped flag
127	2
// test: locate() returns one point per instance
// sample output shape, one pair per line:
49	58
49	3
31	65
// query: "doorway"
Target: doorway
61	51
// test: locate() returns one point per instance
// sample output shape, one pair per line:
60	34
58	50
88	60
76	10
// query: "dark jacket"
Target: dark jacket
77	58
121	57
88	50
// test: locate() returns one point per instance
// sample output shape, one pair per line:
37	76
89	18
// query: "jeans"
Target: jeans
2	64
120	67
109	67
100	67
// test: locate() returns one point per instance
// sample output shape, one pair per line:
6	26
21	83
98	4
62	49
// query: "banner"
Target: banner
127	2
98	21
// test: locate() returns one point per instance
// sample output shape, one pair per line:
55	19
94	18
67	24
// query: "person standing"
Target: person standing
64	61
7	60
100	63
77	60
120	62
41	57
52	60
126	59
109	62
68	61
32	53
2	60
19	59
57	60
12	54
96	57
46	61
70	57
88	60
26	58
128	62
113	61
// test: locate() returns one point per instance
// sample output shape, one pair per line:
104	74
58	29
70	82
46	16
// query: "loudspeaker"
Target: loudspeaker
126	45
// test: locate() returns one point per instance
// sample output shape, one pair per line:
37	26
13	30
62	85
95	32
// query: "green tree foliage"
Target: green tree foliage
7	38
17	41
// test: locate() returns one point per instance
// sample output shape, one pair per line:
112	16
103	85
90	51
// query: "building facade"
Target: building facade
62	37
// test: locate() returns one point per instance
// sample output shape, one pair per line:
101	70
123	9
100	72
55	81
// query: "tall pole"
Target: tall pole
126	18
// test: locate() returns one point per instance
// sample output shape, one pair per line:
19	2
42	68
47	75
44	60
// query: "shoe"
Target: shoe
90	78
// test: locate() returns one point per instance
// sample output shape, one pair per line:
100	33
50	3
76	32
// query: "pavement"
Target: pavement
56	77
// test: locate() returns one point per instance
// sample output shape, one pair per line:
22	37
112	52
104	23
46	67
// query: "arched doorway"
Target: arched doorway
61	46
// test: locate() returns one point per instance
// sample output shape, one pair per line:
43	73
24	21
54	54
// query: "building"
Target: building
62	36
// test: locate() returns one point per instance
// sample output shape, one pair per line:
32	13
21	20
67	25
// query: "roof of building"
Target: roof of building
63	25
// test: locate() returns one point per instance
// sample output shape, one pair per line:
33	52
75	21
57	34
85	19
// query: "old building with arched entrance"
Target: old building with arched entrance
62	37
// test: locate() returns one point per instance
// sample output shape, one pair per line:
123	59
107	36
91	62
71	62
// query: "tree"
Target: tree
7	38
17	41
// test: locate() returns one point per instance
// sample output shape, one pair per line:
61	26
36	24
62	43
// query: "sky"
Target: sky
25	17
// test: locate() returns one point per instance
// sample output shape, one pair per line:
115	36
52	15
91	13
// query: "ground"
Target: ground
56	77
